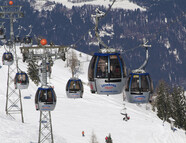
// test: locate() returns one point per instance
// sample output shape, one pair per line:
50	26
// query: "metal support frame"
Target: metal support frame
43	53
105	49
147	56
45	124
99	14
45	127
13	97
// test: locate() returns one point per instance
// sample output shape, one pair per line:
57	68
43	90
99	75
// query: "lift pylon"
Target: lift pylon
13	97
42	52
45	127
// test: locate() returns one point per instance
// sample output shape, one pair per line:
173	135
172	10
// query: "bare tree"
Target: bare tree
73	63
93	138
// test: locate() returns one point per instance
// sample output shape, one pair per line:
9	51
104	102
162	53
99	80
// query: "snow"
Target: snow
165	20
175	53
121	4
41	5
92	113
167	44
107	30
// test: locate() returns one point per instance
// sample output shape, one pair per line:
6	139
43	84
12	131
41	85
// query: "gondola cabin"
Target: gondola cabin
45	99
9	44
7	58
17	41
74	88
2	33
139	87
27	41
21	80
106	73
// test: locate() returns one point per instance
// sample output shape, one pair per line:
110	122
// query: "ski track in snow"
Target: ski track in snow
93	113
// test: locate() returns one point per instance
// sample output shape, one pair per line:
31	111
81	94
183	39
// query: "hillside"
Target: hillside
123	4
93	113
162	23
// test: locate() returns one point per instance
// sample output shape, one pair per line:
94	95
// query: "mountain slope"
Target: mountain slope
93	113
123	4
162	24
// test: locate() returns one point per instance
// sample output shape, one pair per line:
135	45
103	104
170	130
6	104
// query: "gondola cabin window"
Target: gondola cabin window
91	68
151	84
42	96
49	96
115	68
1	32
144	83
21	78
123	66
46	96
74	85
8	57
135	83
102	67
128	83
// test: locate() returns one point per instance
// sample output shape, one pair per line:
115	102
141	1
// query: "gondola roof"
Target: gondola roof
139	73
45	88
74	79
106	54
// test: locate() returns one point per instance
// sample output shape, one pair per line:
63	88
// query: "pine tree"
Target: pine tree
178	104
184	124
33	72
109	140
163	101
171	103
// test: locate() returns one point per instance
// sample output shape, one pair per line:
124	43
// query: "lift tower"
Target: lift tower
42	52
13	97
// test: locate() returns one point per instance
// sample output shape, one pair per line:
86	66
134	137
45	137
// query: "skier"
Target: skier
126	117
124	112
83	133
106	138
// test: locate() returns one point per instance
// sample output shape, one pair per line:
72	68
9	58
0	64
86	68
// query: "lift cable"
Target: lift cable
162	28
74	45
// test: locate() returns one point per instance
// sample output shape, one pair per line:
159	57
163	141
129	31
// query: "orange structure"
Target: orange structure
43	42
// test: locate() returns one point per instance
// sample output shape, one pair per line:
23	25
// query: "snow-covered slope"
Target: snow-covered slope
121	4
93	113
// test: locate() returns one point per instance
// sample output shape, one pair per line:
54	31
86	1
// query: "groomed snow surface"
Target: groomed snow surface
92	113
